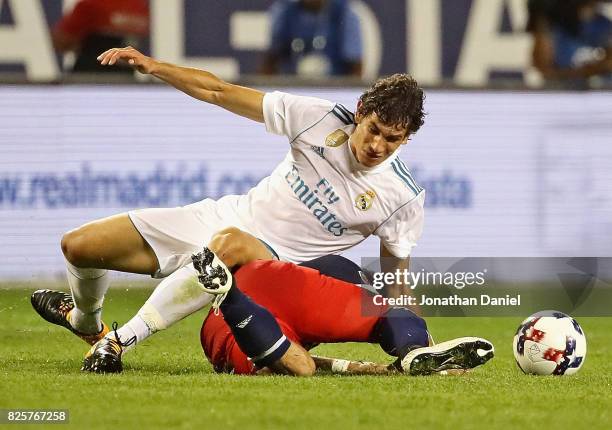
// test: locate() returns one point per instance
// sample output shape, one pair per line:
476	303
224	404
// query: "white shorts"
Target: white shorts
175	234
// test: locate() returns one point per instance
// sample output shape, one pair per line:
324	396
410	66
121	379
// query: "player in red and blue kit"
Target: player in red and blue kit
273	311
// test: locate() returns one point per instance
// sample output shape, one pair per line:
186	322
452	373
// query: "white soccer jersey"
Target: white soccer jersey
320	200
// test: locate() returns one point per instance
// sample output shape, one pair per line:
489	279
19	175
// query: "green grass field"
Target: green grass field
167	383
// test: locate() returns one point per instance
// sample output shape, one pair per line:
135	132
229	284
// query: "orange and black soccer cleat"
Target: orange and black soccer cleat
55	307
105	356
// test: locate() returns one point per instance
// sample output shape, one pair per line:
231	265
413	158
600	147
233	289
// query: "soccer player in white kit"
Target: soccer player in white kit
341	181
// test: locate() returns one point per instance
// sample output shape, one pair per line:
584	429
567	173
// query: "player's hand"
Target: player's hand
129	56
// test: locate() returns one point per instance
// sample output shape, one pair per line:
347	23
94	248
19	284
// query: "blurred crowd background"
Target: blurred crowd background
465	43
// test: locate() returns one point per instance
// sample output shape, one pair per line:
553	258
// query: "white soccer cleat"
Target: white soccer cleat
458	354
213	275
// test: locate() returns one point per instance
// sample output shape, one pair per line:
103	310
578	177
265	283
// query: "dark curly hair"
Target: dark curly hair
397	100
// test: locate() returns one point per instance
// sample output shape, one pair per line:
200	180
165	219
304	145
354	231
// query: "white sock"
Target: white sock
136	327
176	297
88	287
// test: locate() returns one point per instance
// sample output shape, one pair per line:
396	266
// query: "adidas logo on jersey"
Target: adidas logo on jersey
319	151
244	322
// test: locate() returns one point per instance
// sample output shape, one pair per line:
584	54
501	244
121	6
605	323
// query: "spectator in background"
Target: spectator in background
314	37
94	26
572	39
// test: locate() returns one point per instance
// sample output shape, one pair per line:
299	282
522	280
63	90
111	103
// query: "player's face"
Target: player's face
373	142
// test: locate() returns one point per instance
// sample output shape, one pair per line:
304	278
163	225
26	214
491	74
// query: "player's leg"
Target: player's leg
260	337
255	329
226	356
176	297
459	354
402	333
400	330
90	250
111	243
180	294
149	241
236	247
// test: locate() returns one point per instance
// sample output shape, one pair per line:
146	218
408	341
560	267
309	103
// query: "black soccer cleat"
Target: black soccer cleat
463	353
54	307
105	356
213	274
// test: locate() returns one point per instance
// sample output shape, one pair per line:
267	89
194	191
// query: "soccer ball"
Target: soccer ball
549	343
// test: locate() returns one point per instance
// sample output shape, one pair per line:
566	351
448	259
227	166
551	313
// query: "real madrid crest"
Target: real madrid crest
336	138
364	201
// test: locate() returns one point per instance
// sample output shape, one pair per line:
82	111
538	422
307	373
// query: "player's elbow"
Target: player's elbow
212	97
296	362
215	93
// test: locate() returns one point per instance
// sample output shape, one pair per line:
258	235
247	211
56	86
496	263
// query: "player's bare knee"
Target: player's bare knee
249	248
221	245
223	238
80	247
235	237
74	248
239	242
229	230
231	245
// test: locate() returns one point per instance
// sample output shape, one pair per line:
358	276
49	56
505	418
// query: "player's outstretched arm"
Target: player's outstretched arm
199	84
296	360
348	367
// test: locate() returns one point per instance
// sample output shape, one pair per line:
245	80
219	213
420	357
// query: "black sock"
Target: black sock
255	329
400	331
